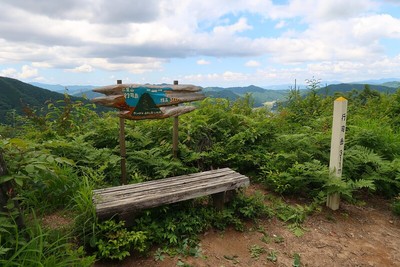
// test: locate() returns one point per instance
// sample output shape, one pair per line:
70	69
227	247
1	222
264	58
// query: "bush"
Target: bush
113	241
396	206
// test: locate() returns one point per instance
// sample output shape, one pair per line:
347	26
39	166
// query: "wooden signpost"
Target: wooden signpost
144	101
337	147
140	102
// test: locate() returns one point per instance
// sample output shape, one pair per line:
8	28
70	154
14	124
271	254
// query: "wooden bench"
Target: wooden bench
131	198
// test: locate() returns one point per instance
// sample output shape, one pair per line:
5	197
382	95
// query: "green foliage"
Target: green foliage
190	247
256	251
171	228
367	169
34	246
113	241
251	207
180	263
86	220
307	177
396	206
159	255
293	214
296	260
303	110
272	256
48	181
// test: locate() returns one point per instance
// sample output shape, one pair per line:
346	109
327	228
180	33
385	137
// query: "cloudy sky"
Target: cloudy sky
207	43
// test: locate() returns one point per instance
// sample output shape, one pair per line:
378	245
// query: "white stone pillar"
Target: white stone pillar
337	147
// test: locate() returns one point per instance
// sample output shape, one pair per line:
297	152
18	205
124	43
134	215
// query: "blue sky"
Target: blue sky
206	43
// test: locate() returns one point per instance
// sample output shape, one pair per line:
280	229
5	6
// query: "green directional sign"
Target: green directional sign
138	102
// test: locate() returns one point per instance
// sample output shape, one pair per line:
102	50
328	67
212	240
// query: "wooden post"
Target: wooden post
337	147
219	200
122	146
175	135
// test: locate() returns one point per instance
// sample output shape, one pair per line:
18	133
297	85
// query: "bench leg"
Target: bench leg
219	199
128	218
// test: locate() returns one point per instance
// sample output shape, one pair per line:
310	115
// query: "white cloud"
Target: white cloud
25	73
346	71
374	27
41	65
281	24
82	68
239	26
172	31
143	37
317	10
9	72
252	64
203	62
28	72
234	76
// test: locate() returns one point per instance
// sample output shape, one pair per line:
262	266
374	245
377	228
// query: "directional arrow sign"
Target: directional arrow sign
138	102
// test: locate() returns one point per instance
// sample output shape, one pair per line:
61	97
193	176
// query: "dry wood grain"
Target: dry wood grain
119	101
166	112
134	197
117	89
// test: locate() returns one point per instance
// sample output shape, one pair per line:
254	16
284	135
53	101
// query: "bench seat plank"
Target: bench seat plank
134	197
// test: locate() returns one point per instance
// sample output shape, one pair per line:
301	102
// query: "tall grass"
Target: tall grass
34	246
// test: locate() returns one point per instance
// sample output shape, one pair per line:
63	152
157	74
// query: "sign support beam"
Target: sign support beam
175	133
122	147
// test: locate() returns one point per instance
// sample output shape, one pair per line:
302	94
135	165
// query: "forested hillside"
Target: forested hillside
393	84
348	87
260	95
15	95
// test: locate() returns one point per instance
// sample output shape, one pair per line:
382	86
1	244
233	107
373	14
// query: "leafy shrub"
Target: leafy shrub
113	241
396	206
362	164
171	228
308	177
251	207
48	181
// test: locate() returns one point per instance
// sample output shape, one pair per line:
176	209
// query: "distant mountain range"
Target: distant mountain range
74	90
347	87
379	81
260	95
14	94
394	84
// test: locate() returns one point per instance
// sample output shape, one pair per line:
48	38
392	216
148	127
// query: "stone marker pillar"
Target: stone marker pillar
337	147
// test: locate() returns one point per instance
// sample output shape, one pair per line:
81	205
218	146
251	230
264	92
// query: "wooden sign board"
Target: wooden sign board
139	102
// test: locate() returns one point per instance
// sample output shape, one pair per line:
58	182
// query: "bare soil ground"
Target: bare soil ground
351	236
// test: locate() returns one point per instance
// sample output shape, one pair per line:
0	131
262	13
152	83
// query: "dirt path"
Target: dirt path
351	236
